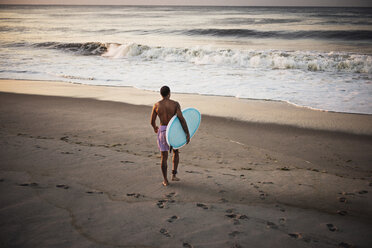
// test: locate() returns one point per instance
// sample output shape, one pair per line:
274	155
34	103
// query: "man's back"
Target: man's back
166	109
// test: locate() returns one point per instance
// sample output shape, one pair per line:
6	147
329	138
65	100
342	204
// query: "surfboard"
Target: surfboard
175	135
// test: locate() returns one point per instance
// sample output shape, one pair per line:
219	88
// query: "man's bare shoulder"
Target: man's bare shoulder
174	102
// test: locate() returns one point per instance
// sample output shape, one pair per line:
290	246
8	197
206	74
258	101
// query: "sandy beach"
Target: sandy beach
79	167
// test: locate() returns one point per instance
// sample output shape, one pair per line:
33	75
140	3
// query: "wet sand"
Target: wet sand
78	172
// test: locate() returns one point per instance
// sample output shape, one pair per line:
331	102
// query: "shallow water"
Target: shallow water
314	57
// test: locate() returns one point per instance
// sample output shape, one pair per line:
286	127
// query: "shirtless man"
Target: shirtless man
166	109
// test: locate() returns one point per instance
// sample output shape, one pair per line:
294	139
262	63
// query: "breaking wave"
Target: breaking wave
267	59
88	48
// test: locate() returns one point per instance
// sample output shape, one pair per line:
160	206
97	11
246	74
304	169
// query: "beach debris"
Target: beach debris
246	168
349	160
370	184
62	186
201	205
230	210
283	169
331	227
282	221
1	180
267	183
64	138
223	200
165	232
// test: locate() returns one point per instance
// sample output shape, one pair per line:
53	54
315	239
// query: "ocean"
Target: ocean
319	58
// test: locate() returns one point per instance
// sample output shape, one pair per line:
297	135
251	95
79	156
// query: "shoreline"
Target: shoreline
248	110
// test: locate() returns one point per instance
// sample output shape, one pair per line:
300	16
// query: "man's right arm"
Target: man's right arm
153	119
183	123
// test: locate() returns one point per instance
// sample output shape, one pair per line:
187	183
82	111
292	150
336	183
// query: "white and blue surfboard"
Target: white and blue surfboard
175	135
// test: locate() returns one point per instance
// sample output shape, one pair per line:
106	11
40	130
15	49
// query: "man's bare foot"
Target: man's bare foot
165	183
174	178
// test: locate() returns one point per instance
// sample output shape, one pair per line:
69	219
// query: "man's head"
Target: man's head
164	91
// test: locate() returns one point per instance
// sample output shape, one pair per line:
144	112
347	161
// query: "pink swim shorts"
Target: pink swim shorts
162	140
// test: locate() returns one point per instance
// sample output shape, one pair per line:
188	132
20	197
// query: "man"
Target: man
166	109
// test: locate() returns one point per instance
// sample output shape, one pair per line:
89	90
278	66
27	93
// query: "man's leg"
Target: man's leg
176	159
164	166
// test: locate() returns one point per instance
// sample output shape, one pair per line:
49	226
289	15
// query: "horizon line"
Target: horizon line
167	5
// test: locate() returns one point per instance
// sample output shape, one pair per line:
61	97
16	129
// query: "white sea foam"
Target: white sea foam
272	59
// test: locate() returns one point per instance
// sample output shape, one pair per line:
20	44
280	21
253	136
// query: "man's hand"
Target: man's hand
187	138
156	129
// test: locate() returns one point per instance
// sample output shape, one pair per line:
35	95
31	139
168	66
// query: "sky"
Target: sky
337	3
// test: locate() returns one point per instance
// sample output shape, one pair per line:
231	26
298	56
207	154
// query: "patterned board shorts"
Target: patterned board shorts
162	140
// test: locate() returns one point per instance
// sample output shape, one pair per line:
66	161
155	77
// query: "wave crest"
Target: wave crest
87	48
311	61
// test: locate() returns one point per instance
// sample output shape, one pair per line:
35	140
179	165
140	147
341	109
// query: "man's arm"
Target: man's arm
183	123
153	119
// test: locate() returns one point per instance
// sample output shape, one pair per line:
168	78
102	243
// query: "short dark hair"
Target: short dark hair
164	91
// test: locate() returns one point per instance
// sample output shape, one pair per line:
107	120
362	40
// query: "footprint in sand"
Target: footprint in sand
165	232
236	245
201	205
232	216
363	192
263	196
345	245
331	227
282	221
187	245
342	199
66	153
28	184
223	200
295	235
280	208
62	186
170	195
94	192
271	225
126	162
135	195
234	234
342	212
172	219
